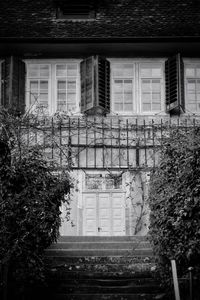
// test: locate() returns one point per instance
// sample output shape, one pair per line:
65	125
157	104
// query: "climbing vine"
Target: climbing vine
174	201
31	193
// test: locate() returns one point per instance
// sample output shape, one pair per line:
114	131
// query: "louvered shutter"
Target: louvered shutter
174	84
87	84
103	83
13	84
95	85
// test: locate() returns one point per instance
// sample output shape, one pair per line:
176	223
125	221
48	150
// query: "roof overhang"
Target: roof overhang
113	47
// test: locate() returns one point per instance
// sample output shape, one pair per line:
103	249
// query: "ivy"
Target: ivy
174	200
31	193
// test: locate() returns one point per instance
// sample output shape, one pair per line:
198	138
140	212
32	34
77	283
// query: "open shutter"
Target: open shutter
13	84
87	84
103	83
174	84
95	85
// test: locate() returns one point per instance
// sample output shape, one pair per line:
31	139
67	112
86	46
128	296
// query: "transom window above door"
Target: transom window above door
103	182
53	87
137	87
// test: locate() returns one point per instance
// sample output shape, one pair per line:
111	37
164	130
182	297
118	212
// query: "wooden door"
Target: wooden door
104	214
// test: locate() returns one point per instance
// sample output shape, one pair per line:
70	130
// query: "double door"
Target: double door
104	214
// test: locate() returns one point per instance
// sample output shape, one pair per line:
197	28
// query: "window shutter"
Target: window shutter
95	85
174	84
13	84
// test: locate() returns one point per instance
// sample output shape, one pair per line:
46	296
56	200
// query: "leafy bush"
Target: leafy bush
174	201
31	194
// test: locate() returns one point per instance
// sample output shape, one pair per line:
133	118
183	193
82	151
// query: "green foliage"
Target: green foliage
174	201
31	194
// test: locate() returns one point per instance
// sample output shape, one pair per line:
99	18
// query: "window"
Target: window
52	87
137	87
38	81
192	87
103	181
76	9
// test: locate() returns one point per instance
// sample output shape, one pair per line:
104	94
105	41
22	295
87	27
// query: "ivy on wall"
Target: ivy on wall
174	201
30	198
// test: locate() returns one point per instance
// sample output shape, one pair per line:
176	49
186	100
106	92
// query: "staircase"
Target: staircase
101	268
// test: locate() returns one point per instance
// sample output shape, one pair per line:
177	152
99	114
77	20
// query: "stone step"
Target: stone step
139	274
132	238
96	289
141	296
116	260
98	252
112	281
82	270
102	245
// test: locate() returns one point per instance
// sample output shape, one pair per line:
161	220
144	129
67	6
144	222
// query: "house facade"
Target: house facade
109	78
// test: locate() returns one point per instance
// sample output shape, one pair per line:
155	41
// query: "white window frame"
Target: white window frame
137	101
53	82
189	62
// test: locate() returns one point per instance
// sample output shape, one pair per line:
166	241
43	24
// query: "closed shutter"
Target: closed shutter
13	84
95	85
174	84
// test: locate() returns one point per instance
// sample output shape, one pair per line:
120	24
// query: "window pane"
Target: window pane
146	107
156	106
118	106
33	70
198	72
71	97
33	85
127	85
156	72
118	97
198	97
61	95
61	106
190	72
156	97
191	84
128	107
198	85
72	70
146	97
146	72
61	85
128	70
146	85
118	70
71	85
61	70
33	98
44	85
128	97
192	106
118	85
44	71
155	85
191	96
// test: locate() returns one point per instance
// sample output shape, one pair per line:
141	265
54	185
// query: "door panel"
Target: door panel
104	209
118	214
90	214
